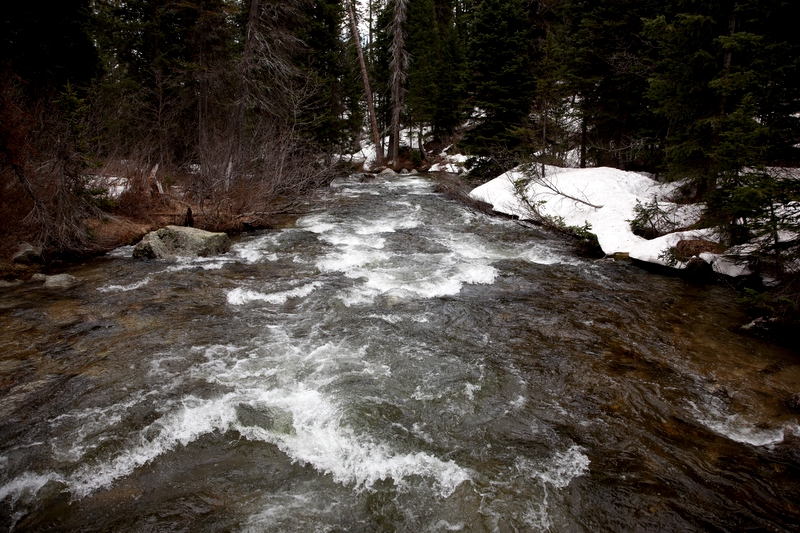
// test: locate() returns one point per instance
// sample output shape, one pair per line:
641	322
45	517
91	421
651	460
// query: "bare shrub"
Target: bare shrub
41	150
270	176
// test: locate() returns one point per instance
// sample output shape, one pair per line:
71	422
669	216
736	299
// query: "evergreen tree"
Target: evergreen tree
727	81
501	74
422	37
451	74
324	64
607	63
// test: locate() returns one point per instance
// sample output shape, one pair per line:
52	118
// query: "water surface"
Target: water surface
391	362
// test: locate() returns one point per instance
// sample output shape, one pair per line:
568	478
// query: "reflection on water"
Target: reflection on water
390	362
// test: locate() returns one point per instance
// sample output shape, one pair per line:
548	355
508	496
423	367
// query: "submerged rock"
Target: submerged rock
60	281
173	241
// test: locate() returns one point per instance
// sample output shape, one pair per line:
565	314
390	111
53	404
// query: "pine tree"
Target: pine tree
607	62
451	74
501	77
727	81
48	44
422	38
324	65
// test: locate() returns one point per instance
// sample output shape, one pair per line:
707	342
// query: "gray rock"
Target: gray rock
27	255
387	172
404	171
173	241
38	277
59	281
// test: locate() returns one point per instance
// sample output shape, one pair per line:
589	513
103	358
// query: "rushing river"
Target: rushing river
390	362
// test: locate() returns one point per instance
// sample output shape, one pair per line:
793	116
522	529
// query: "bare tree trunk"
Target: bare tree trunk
202	115
422	151
368	92
398	68
584	135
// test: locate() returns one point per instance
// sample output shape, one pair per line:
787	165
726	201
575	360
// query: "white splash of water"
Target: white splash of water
125	288
26	484
239	296
319	438
737	428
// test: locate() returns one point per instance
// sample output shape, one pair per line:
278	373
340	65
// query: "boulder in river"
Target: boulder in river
27	254
173	241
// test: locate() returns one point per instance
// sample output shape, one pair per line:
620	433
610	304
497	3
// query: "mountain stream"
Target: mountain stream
390	361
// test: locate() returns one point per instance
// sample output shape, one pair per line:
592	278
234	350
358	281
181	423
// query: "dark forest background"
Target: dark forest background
239	108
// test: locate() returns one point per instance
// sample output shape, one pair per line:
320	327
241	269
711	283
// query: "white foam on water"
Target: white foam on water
354	263
257	249
27	483
444	525
415	275
206	263
197	417
121	252
239	296
320	439
125	288
80	431
564	467
284	512
391	319
737	428
354	241
308	424
316	223
556	472
386	226
251	255
361	253
469	390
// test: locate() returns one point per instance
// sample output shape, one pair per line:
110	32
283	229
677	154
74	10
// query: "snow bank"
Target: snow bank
605	198
452	168
652	251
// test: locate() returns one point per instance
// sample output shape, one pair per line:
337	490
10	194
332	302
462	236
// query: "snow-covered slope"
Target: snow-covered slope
605	198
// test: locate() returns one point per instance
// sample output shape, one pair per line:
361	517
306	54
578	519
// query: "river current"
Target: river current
390	361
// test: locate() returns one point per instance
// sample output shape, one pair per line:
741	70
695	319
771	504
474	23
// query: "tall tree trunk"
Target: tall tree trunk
368	92
584	135
398	68
237	122
423	154
728	58
202	114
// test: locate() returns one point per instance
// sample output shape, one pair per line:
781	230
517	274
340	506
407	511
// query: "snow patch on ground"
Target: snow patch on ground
605	198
